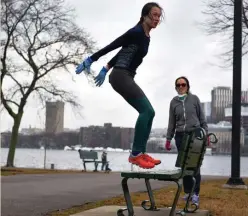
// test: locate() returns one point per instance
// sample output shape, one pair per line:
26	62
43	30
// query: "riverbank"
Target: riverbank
218	200
7	171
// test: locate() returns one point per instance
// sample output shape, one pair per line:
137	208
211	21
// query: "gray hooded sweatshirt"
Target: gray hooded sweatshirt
185	115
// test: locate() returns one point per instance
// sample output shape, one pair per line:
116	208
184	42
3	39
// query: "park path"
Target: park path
35	195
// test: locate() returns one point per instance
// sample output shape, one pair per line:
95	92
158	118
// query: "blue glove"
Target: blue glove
85	65
99	79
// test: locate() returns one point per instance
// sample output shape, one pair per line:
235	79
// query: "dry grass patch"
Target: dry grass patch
218	200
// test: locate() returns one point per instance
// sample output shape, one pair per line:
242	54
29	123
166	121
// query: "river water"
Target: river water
34	158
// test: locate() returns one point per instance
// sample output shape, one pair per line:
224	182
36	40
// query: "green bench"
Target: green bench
189	161
89	157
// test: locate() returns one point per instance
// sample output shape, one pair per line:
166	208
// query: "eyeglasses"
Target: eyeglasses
181	84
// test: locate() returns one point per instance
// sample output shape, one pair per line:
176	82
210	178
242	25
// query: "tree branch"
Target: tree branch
245	19
57	93
219	20
7	9
7	107
41	38
17	82
13	102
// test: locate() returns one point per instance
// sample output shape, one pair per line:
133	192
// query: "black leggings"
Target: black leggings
123	83
187	180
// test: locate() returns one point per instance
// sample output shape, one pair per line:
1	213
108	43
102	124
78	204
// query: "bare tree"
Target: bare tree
220	21
39	39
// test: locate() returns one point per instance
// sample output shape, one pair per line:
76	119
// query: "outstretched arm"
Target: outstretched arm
120	41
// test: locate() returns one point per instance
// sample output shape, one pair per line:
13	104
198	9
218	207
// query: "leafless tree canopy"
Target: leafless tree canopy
220	20
39	39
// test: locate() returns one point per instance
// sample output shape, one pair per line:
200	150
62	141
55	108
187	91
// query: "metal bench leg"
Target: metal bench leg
127	199
151	198
84	166
96	165
174	205
186	208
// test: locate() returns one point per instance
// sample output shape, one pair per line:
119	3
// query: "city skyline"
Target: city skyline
205	105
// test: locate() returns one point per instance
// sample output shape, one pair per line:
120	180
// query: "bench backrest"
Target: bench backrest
192	151
88	155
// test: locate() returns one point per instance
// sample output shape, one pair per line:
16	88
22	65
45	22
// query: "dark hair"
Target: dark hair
147	9
185	79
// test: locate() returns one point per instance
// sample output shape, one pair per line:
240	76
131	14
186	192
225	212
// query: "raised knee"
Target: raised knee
151	112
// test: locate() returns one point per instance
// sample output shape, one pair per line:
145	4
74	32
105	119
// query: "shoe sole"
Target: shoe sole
141	166
190	200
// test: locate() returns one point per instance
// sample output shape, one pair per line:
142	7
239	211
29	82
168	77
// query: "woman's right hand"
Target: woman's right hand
168	145
85	65
99	79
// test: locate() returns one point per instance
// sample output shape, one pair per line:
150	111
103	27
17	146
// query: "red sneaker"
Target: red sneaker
141	161
155	161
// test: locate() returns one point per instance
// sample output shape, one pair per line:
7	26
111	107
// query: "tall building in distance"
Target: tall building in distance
55	117
221	97
206	107
244	115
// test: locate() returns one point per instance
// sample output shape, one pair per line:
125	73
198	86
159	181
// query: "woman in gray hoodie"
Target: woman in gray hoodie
185	115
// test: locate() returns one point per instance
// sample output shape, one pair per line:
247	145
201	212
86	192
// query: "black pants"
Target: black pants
123	83
105	165
187	180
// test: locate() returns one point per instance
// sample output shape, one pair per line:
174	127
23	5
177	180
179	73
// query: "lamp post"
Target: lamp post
235	179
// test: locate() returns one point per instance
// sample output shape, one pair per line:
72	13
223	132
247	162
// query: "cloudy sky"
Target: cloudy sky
178	47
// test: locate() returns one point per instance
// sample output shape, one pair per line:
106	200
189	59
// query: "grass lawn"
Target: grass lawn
219	201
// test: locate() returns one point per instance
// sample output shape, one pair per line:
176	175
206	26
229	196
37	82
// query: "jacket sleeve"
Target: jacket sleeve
172	123
119	42
201	115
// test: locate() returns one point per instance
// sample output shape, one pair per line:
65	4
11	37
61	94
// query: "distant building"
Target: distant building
206	106
30	130
223	131
221	97
54	117
158	132
71	130
244	115
38	140
106	136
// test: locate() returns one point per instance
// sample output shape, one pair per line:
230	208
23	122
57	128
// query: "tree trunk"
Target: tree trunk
14	139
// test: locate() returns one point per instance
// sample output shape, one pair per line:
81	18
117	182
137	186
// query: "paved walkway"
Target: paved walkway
139	211
35	195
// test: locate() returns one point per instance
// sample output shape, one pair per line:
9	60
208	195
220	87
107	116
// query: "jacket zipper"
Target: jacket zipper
184	114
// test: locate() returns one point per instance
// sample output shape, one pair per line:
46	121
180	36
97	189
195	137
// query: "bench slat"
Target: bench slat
88	155
159	175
